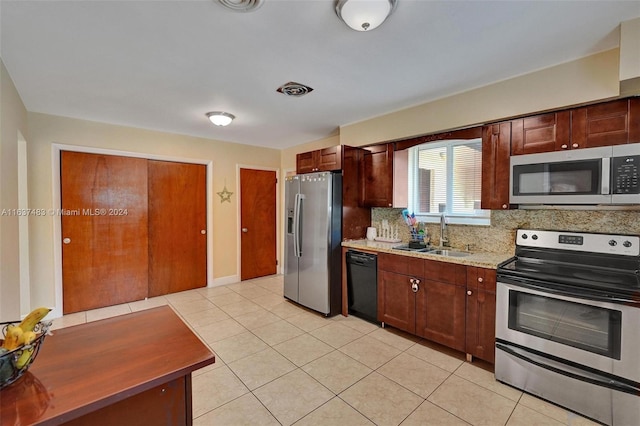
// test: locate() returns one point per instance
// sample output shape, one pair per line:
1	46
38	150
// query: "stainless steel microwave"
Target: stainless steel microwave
604	175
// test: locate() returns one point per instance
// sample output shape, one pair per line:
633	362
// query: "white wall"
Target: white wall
585	80
13	123
45	130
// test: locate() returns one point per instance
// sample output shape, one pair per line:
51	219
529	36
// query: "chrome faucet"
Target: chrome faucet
444	241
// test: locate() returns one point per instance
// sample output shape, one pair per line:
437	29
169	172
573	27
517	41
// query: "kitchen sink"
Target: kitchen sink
406	247
451	253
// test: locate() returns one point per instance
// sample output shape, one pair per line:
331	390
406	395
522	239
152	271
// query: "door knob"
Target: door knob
66	240
414	287
469	292
245	230
203	231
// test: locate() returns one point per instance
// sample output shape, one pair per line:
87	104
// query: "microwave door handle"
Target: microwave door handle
606	176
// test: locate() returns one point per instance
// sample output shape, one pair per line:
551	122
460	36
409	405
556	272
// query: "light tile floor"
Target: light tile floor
280	364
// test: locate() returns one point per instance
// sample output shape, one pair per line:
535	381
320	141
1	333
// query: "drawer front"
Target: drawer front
481	279
399	264
445	272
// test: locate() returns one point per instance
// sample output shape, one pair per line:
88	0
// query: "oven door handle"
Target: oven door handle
576	292
577	373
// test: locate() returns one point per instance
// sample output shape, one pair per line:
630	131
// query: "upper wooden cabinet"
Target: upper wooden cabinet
321	160
540	133
376	176
496	149
609	123
604	124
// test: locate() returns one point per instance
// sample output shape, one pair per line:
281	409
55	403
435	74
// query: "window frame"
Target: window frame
482	218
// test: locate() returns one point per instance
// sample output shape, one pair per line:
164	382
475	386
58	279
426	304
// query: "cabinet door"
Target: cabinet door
355	217
396	301
540	133
496	149
609	123
481	313
377	176
177	227
105	237
440	313
306	162
329	159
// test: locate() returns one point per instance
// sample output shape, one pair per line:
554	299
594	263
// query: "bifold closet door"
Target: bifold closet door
177	227
104	230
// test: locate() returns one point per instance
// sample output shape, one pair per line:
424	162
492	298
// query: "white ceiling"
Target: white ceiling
162	65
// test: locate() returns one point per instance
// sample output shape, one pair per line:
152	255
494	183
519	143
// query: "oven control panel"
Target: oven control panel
627	245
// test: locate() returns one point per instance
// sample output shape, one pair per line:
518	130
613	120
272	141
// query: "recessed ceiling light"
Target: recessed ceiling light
220	118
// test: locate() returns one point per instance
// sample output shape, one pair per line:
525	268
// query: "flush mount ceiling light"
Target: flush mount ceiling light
220	118
364	15
242	5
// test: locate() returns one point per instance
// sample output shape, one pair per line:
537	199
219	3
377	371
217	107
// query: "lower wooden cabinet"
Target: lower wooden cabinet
397	277
397	301
447	303
481	313
440	304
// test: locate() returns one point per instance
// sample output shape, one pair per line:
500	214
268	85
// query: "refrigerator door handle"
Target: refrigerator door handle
297	240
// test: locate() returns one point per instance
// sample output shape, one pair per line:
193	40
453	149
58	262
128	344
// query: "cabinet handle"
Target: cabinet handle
564	146
480	279
575	145
414	287
504	206
469	292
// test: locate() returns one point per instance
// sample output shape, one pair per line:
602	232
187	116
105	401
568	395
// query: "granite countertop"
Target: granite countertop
480	259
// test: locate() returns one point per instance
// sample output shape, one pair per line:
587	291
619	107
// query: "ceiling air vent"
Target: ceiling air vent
242	5
294	89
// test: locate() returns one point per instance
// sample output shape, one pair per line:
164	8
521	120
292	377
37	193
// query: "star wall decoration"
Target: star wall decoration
225	195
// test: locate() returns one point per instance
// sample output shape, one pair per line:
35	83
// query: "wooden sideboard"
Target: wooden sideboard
133	369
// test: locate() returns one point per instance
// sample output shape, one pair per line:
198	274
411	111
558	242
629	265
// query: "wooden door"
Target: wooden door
496	149
541	133
481	313
330	159
355	217
376	174
306	162
258	223
177	227
104	250
396	300
440	313
604	124
440	304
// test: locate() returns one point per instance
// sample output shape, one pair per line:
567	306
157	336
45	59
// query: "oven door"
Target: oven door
597	335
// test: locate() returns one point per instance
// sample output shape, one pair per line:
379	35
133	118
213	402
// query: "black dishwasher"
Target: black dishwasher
362	285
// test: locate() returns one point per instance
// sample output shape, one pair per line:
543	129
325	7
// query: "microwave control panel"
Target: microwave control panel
625	174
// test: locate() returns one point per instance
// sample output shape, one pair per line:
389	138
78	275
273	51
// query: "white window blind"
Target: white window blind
447	179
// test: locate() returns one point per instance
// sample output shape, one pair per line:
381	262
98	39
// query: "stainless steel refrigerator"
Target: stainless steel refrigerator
312	262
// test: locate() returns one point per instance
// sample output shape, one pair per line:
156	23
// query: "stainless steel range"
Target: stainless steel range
568	322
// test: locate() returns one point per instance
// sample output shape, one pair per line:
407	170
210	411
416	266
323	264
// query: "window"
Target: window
446	178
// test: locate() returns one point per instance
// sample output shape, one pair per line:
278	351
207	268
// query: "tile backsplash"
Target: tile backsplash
499	237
